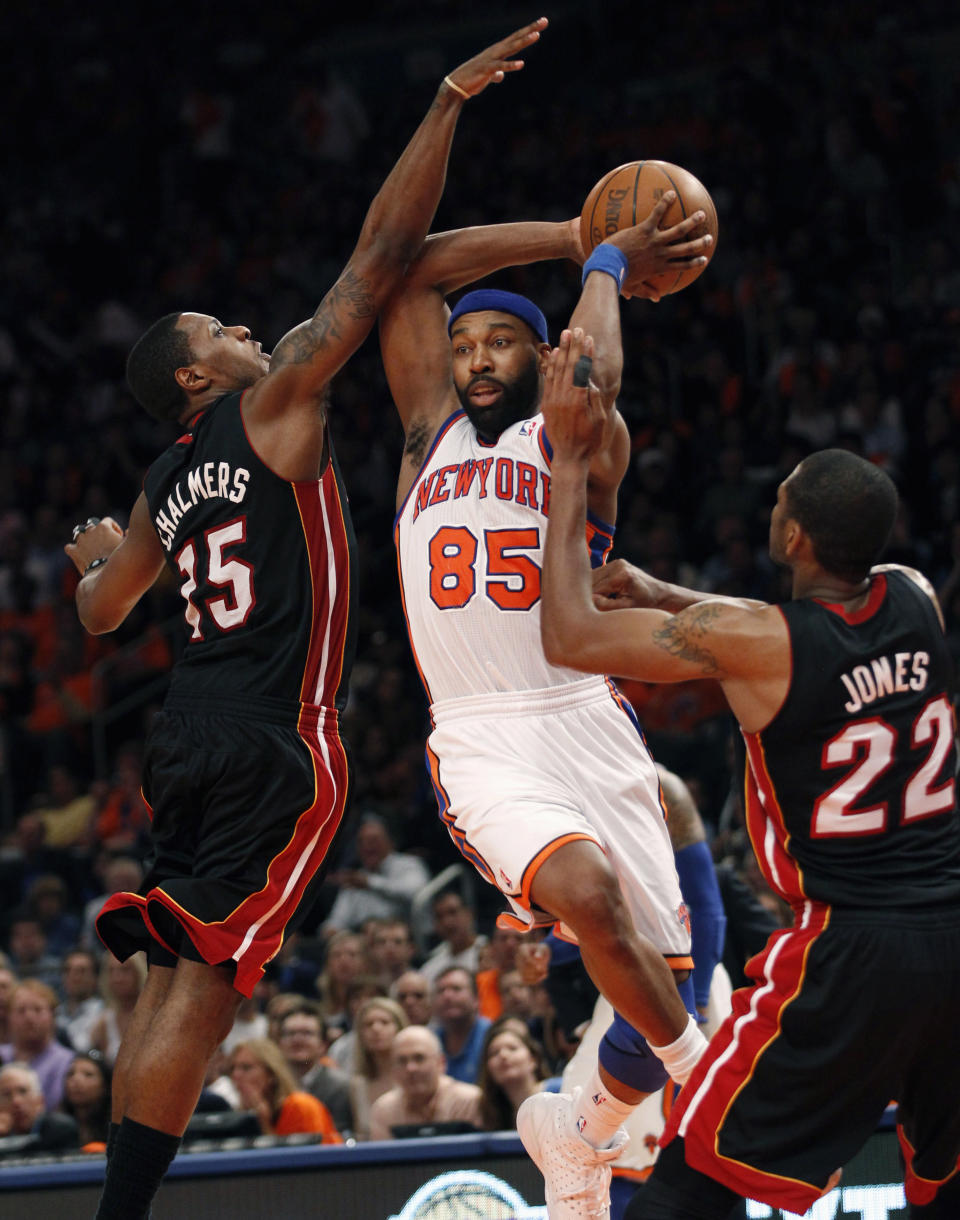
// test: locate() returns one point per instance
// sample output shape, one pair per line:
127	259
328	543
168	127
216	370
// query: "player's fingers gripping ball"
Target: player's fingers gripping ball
626	195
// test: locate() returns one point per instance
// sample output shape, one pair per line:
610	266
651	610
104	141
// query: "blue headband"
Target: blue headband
503	302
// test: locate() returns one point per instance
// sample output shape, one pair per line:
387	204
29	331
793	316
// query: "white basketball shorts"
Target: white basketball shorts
518	774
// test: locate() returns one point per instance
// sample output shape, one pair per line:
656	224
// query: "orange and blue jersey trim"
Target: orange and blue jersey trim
599	539
529	873
543	442
462	844
626	707
600	533
623	704
406	617
540	919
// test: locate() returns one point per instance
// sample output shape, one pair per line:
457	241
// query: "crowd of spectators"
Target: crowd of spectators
293	1063
172	162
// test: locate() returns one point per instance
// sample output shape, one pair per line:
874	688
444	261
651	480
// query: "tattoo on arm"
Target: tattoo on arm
683	636
350	296
418	439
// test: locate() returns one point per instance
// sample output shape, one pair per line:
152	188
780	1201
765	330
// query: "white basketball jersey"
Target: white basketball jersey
469	540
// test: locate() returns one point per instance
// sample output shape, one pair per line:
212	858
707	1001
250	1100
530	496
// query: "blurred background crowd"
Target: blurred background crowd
217	161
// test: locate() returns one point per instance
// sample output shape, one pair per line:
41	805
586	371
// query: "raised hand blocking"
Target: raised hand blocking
492	64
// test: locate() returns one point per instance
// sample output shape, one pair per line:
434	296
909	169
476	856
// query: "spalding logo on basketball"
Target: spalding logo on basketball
626	195
466	1194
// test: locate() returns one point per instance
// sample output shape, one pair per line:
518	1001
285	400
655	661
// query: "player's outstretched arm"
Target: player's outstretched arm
393	231
597	313
448	261
625	260
125	565
627	257
619	584
737	645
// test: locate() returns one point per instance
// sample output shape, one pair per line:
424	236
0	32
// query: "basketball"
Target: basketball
626	195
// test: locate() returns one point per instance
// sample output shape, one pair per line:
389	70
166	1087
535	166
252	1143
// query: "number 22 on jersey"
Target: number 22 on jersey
845	809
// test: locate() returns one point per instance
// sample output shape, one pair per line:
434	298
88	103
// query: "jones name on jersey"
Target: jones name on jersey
885	676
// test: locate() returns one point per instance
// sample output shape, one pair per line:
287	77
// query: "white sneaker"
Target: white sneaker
576	1175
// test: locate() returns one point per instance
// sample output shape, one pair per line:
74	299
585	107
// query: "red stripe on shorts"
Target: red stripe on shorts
727	1065
251	935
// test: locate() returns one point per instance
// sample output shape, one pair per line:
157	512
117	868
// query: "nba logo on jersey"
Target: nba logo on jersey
684	915
581	1123
528	427
506	880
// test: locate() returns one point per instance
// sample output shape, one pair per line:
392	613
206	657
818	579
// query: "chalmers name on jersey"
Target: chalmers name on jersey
851	789
469	540
265	567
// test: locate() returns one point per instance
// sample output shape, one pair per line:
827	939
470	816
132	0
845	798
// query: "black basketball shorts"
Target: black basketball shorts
245	809
851	1010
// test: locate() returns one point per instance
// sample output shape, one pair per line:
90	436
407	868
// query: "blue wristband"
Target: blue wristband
610	260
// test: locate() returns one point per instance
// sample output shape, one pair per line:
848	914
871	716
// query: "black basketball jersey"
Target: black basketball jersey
850	790
265	567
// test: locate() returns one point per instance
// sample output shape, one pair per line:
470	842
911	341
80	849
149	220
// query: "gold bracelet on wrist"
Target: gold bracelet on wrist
456	88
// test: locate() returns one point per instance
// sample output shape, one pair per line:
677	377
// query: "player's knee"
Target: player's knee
213	1025
570	875
207	995
591	902
228	1014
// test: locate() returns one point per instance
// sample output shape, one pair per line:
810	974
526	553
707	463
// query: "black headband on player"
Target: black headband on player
503	302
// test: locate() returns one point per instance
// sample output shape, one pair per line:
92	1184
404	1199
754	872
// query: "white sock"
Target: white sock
599	1113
